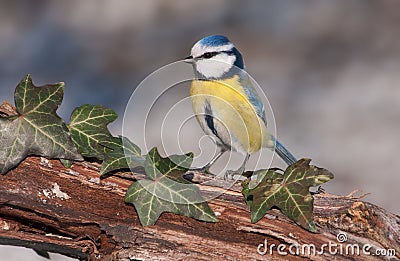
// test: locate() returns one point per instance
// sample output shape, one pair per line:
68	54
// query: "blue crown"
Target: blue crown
214	40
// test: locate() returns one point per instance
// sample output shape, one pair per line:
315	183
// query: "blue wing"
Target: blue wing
253	96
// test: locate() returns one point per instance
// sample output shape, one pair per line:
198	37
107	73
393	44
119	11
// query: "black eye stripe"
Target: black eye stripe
228	52
208	55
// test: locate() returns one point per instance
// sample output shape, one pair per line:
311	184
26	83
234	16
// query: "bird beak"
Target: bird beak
189	59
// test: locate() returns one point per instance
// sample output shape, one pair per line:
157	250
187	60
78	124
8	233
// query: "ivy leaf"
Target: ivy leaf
66	163
88	127
123	154
167	191
36	129
289	192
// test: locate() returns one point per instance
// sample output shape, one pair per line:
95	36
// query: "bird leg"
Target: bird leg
205	168
229	174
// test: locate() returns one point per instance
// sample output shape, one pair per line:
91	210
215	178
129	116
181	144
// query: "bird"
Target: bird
226	103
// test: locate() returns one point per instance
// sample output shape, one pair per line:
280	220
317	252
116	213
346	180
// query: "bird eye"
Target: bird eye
209	55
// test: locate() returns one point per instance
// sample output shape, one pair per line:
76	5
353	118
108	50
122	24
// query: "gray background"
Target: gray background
331	69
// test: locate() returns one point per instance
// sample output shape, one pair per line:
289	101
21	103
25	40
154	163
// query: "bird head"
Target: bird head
214	57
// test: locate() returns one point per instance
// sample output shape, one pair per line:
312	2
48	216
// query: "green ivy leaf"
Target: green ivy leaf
37	129
289	192
88	127
167	190
123	154
66	163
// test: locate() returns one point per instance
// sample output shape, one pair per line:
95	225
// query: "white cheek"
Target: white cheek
216	66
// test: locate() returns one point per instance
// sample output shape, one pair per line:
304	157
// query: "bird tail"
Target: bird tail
284	153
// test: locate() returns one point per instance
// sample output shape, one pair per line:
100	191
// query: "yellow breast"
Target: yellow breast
235	119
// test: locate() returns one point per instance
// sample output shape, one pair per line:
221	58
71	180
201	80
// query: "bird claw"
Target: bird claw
229	174
204	169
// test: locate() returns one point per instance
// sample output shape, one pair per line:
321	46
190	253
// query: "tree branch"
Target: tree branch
47	207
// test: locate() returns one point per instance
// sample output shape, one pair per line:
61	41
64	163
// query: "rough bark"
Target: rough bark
47	207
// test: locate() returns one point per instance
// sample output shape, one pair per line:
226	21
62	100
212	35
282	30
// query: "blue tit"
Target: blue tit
225	102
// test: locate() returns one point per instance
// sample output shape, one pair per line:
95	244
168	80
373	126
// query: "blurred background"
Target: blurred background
331	69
